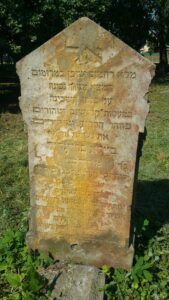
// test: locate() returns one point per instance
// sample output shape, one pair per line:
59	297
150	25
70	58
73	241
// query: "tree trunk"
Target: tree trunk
163	66
1	59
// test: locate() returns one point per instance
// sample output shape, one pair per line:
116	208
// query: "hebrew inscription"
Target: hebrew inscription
82	98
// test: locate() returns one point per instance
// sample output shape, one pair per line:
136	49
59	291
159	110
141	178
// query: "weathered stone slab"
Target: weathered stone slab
82	98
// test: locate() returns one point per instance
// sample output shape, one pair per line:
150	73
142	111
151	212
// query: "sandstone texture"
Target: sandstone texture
74	282
83	101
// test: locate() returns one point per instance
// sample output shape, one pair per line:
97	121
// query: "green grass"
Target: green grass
149	277
153	54
152	198
155	160
14	183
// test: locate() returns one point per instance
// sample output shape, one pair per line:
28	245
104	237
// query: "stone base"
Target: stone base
74	282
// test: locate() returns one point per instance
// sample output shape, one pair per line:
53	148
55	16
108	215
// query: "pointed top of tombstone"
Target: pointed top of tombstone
89	40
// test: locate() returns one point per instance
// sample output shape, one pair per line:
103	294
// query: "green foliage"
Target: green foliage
148	278
97	10
24	25
19	279
159	29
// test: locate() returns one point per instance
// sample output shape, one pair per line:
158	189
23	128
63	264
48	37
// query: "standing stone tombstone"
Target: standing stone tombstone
82	98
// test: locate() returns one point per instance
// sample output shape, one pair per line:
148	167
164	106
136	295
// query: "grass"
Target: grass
153	56
152	196
152	201
14	183
155	160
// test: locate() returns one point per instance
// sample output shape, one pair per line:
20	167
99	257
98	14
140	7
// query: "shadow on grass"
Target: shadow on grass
159	78
9	98
9	89
152	203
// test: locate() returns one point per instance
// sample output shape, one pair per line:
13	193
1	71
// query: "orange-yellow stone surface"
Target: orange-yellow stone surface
82	98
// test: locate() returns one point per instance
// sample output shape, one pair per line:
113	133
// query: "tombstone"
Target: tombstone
82	98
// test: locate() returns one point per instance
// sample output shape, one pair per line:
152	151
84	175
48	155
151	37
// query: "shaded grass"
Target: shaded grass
9	88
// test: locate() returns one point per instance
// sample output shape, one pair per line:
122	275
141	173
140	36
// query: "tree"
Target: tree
24	25
159	30
130	22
